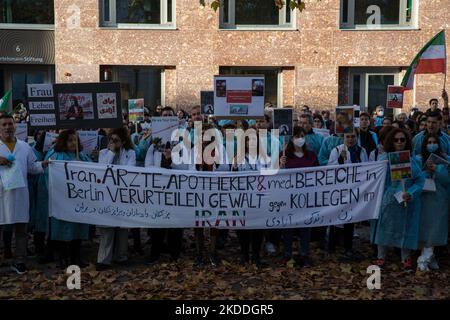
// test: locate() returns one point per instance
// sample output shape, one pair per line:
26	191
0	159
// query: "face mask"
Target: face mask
300	142
432	147
380	113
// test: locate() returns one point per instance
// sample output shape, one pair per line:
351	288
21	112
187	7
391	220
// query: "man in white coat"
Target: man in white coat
17	159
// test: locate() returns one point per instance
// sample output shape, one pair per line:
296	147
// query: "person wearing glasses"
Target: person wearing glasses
346	153
114	241
399	222
318	121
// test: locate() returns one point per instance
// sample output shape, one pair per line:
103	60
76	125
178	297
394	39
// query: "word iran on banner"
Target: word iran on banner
132	197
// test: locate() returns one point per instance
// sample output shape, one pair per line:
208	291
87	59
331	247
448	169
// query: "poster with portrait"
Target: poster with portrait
75	105
283	121
22	131
239	96
207	102
344	118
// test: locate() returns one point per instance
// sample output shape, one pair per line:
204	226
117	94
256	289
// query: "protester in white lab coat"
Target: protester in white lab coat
16	156
114	241
347	153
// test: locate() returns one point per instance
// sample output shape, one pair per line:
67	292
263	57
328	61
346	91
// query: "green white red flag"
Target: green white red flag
431	59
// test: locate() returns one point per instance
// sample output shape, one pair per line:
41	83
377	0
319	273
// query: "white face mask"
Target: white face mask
299	142
380	113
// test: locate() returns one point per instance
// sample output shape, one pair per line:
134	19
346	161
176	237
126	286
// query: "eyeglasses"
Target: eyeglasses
401	140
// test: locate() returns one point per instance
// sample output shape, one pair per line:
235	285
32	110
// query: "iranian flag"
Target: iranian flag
431	59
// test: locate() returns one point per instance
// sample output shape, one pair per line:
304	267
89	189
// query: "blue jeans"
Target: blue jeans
305	239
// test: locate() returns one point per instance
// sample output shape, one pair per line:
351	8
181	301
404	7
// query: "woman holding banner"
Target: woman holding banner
67	235
114	241
297	155
435	201
398	222
347	153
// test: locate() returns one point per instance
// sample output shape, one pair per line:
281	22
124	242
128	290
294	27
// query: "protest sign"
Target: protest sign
107	105
22	131
49	140
207	102
395	97
437	160
323	132
136	110
283	120
400	165
162	128
75	105
12	177
89	141
239	96
344	118
136	197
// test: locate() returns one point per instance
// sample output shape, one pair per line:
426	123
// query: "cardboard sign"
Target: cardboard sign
162	128
75	105
136	110
283	121
400	165
395	97
239	96
207	102
22	131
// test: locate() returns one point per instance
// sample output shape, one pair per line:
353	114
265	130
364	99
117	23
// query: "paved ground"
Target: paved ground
327	279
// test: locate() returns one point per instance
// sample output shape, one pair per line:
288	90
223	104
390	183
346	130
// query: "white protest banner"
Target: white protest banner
136	197
49	140
162	127
22	131
88	140
239	96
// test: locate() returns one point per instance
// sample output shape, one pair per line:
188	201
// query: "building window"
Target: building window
273	79
368	86
255	14
138	13
378	14
136	83
15	13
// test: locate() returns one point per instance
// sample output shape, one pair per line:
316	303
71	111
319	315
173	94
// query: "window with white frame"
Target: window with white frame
138	13
26	13
378	14
254	14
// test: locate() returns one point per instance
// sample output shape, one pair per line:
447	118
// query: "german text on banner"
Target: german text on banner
132	197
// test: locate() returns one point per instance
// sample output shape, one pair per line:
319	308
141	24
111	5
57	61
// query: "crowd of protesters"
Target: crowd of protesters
420	227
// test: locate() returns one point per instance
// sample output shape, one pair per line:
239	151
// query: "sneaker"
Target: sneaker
407	265
433	263
19	268
214	260
270	248
423	266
